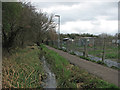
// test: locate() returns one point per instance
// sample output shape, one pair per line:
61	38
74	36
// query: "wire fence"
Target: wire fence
98	49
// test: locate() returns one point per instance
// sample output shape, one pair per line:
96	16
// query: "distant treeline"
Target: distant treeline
22	25
75	35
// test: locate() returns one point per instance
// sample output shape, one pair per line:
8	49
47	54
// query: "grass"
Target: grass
101	62
86	58
115	68
23	69
58	67
72	53
70	76
111	52
98	62
98	51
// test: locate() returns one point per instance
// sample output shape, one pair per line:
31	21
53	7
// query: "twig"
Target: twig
29	75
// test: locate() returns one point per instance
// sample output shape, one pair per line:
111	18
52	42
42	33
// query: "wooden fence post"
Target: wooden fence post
104	44
85	54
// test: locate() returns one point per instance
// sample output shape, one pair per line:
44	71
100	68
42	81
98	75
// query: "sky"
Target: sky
83	16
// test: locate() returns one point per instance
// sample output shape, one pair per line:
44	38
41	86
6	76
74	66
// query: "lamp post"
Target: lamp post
58	30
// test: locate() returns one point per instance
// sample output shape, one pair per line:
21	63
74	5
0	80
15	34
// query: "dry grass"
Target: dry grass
22	70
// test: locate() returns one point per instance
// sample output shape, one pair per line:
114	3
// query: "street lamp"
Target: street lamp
58	30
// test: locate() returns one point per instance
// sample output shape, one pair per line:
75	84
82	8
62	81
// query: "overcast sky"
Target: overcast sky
83	17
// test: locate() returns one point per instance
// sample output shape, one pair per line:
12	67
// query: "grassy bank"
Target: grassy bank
23	69
70	76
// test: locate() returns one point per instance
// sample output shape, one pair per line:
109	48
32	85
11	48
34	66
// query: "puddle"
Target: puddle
50	82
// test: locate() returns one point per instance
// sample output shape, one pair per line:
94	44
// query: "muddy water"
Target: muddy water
50	82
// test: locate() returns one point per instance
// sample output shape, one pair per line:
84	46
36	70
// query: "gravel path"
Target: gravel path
107	74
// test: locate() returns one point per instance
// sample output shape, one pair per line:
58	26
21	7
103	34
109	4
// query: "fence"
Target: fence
95	48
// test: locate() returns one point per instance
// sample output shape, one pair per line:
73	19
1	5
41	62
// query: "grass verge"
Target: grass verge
70	76
23	69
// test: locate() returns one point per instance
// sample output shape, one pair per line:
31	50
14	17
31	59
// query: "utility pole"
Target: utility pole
58	30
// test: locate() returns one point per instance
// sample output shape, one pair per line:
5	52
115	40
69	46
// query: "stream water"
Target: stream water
50	82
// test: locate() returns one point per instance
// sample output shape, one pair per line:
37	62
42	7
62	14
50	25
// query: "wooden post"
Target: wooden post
94	44
104	44
67	45
85	54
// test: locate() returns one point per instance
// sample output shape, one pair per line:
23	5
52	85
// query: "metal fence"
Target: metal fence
98	49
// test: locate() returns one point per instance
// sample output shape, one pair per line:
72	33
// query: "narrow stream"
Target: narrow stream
50	82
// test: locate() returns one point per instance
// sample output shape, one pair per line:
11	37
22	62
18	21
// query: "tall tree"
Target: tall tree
23	25
11	14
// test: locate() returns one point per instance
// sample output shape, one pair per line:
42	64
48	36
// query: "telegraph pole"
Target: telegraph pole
58	30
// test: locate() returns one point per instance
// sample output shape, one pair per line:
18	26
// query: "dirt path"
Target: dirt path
105	73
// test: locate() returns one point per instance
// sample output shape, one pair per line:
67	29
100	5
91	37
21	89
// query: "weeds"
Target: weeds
72	53
22	70
115	68
101	62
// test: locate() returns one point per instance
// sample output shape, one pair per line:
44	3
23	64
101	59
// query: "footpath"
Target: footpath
106	73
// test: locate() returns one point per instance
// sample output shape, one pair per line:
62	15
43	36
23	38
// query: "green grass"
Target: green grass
98	51
23	69
70	76
98	62
101	62
86	58
58	65
115	68
72	53
111	52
